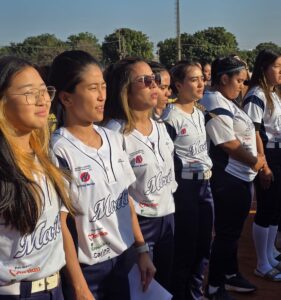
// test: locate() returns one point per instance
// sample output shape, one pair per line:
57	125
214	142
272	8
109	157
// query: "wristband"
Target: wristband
142	249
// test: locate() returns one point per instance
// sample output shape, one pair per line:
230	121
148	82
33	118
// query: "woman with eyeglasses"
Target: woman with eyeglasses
106	228
193	198
235	164
132	93
263	105
32	188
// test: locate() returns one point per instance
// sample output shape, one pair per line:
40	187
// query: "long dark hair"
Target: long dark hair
21	199
65	74
264	59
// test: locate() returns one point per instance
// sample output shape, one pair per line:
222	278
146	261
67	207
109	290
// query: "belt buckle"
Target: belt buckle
52	281
38	286
43	284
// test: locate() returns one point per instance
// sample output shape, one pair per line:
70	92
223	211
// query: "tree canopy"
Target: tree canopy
126	42
85	41
203	46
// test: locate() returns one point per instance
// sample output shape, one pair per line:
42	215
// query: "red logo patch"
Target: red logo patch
183	131
138	159
85	177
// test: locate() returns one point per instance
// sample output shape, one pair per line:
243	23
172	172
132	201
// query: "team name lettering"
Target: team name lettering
39	238
196	148
107	206
157	182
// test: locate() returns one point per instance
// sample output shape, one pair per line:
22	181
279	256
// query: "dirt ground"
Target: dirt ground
267	290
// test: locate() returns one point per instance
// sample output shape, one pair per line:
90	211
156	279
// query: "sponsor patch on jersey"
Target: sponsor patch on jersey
85	176
102	253
95	235
23	270
148	204
83	168
138	159
183	131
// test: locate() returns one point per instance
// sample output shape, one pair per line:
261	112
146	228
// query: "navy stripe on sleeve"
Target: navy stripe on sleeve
257	126
62	163
171	130
255	100
218	112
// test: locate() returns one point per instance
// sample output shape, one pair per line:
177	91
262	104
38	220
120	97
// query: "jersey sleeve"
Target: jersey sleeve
254	107
59	160
219	125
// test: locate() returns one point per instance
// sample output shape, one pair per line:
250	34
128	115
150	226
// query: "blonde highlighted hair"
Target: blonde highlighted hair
117	77
21	198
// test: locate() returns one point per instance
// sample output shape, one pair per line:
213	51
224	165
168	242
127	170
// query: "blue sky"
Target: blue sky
251	21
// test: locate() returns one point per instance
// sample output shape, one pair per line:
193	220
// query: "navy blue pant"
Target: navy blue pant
232	202
269	200
107	280
25	293
193	234
158	232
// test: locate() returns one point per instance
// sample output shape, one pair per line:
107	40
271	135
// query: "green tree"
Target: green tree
85	41
204	45
126	42
39	49
167	52
4	51
267	45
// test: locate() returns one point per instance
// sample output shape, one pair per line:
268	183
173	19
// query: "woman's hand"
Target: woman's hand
260	163
147	269
265	177
83	294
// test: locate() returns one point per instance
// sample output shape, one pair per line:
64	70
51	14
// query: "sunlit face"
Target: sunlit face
273	73
164	90
207	72
192	87
232	86
23	116
141	97
86	104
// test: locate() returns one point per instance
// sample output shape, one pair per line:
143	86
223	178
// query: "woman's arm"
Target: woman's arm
146	266
265	174
74	272
236	151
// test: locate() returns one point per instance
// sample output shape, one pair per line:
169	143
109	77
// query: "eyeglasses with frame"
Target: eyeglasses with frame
33	96
148	79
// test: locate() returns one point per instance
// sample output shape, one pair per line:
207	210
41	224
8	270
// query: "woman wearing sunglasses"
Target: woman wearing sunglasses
32	189
235	164
107	226
132	94
193	198
263	105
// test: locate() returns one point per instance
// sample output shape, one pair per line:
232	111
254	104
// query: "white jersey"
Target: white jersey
190	140
36	255
151	158
100	192
269	124
228	122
